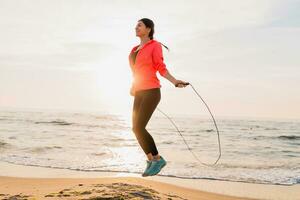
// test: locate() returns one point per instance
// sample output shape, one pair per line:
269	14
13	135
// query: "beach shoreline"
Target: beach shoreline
40	181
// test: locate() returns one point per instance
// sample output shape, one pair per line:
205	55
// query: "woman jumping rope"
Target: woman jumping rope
145	60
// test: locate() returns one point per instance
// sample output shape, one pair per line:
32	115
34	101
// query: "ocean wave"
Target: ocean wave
56	122
264	166
289	181
4	145
43	149
274	129
283	137
99	154
289	137
167	142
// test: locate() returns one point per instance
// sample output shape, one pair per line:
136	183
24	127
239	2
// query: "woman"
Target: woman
145	60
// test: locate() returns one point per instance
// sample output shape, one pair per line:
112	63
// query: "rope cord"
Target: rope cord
183	137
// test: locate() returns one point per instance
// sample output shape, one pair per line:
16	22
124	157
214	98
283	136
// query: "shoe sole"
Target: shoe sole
144	174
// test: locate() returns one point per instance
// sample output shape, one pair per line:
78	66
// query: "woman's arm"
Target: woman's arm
173	80
169	77
162	69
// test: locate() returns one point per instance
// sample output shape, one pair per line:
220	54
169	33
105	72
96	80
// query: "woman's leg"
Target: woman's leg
145	103
136	105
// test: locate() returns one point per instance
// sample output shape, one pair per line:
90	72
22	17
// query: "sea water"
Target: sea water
255	151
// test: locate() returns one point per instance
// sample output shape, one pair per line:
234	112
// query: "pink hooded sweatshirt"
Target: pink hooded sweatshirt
149	60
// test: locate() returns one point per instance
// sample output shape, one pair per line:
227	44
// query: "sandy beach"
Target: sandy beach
97	188
30	182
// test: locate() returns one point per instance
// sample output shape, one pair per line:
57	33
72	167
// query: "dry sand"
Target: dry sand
97	188
29	182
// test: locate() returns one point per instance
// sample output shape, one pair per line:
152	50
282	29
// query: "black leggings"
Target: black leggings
145	102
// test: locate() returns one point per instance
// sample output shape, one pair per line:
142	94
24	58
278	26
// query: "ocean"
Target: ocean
253	151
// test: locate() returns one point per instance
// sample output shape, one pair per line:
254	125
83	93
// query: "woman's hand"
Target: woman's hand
180	83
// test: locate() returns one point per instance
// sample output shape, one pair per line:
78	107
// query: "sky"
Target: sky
71	55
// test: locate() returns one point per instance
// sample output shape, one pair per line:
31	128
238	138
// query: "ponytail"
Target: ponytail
165	46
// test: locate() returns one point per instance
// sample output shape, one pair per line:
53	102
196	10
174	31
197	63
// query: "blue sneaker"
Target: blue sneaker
145	173
156	166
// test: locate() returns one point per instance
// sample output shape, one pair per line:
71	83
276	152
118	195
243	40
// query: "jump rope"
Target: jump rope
182	135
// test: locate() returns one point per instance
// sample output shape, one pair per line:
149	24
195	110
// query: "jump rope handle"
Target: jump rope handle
181	84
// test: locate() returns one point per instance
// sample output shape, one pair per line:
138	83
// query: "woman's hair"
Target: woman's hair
149	24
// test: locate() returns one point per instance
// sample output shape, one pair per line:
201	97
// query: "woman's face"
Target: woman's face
141	30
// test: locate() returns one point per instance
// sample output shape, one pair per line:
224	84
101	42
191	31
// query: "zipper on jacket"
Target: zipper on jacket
141	49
